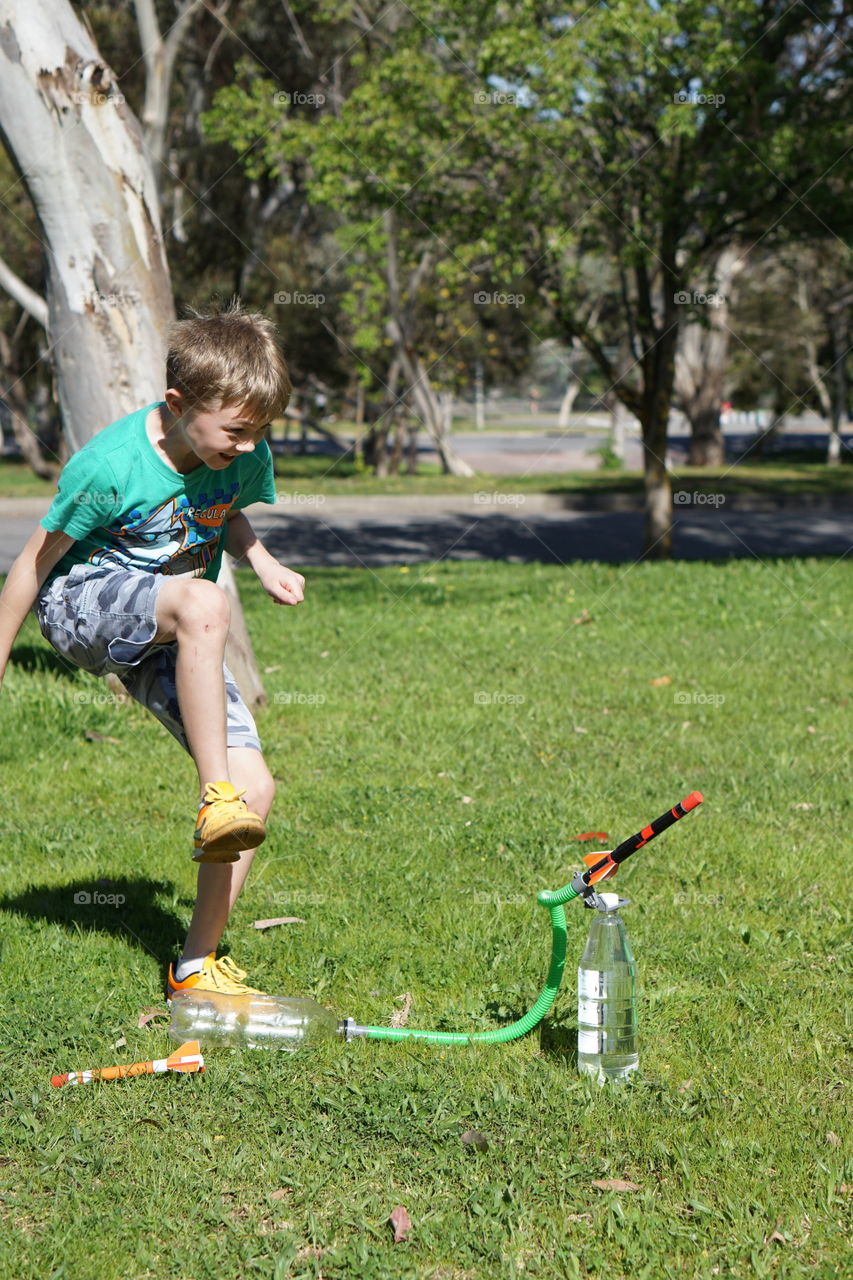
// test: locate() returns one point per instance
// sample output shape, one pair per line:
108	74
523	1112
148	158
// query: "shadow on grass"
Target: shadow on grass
123	906
559	1043
42	660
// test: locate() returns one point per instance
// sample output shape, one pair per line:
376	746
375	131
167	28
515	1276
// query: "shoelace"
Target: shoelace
221	791
227	976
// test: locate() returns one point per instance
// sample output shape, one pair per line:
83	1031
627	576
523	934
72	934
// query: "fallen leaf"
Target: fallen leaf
802	806
659	681
833	1139
149	1014
91	736
615	1184
401	1222
325	653
121	1043
268	924
683	1088
578	1217
472	1138
466	800
775	1237
583	616
269	670
400	1017
811	729
579	730
592	835
281	1194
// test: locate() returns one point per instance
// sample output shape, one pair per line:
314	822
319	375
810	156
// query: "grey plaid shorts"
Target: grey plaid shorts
103	619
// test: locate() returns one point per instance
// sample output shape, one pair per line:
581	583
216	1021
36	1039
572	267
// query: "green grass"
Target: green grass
311	474
785	478
409	691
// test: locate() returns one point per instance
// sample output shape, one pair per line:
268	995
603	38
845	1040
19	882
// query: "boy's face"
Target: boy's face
217	436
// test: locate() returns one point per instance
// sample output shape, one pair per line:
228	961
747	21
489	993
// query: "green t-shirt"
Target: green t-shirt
125	506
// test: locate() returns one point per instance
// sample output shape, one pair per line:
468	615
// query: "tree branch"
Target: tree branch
33	303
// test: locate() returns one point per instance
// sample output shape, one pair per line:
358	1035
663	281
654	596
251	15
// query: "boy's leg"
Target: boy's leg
196	614
219	885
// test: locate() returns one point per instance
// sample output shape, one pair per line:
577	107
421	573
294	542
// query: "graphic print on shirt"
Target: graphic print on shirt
178	538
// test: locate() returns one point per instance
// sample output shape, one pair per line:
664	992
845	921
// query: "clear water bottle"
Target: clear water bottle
607	996
256	1021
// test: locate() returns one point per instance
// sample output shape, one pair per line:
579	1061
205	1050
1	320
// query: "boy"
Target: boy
122	569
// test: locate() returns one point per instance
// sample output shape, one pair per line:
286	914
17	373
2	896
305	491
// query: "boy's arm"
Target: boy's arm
284	585
26	576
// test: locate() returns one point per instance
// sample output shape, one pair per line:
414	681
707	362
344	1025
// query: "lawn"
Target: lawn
799	475
441	735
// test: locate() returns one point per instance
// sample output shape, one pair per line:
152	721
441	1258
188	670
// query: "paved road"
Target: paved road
541	527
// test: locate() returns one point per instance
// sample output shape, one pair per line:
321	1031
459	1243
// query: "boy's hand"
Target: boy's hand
284	585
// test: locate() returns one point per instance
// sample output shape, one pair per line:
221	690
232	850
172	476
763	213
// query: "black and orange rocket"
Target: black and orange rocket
604	866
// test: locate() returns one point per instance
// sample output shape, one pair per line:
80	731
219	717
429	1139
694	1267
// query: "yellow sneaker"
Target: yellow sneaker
226	825
216	975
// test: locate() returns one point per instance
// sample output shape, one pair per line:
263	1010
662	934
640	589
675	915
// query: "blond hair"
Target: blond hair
231	357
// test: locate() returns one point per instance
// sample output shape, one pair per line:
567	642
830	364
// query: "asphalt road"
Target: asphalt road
375	531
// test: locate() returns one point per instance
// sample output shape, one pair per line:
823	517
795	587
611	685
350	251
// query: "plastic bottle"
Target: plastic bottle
607	996
258	1021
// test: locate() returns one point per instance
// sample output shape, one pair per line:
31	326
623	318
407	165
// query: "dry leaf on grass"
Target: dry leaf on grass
91	736
268	924
592	835
401	1222
583	616
120	1043
149	1014
473	1138
615	1184
659	681
281	1194
400	1017
775	1237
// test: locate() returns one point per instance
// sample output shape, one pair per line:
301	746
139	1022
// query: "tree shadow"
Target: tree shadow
118	906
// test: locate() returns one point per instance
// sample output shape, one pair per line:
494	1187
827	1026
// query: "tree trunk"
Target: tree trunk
702	362
425	402
79	149
570	394
707	445
658	500
840	386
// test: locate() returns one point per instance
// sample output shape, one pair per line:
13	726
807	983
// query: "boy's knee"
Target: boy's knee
249	770
203	605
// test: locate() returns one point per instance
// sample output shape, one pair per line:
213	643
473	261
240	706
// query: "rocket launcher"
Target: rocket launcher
186	1059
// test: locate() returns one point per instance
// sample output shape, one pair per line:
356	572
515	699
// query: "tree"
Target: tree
528	140
79	150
